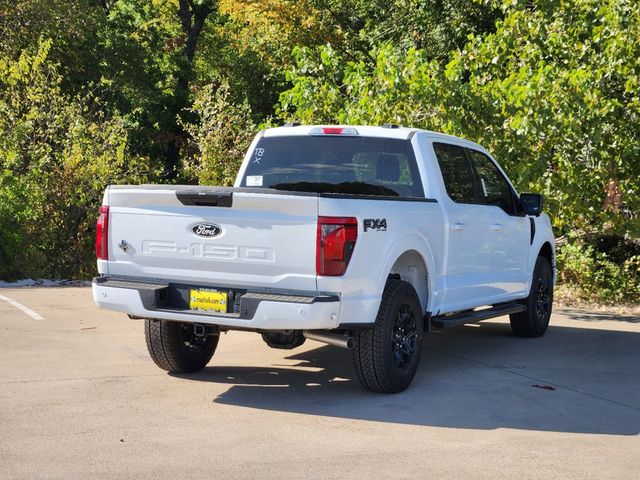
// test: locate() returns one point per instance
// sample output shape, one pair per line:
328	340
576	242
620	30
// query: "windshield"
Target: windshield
334	164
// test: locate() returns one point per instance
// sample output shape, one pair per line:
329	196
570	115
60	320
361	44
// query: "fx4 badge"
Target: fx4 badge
378	224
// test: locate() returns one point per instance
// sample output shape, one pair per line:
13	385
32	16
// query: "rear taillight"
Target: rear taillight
102	232
335	242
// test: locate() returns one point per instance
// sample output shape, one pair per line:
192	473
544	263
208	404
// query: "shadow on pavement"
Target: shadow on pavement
476	377
598	316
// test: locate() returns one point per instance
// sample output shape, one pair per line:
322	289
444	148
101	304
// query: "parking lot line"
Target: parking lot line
19	306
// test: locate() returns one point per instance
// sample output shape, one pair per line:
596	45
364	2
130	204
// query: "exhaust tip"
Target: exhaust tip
342	341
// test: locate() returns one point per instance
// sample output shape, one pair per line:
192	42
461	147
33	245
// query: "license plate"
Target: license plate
208	300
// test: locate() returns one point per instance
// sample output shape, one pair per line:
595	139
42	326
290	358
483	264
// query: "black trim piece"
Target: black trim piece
223	196
411	134
185	190
352	196
472	316
273	191
205	284
201	198
533	230
152	295
354	326
426	321
205	314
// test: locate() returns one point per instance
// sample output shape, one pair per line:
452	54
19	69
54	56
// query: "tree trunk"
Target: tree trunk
192	18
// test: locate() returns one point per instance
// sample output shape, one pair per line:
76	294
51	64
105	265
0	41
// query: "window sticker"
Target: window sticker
254	180
257	155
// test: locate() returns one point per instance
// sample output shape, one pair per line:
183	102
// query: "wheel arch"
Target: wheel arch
412	260
547	252
543	245
410	267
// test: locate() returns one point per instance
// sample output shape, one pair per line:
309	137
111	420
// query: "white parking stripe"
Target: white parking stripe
19	306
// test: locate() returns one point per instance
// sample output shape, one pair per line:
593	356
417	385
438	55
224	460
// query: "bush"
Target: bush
220	139
596	275
57	154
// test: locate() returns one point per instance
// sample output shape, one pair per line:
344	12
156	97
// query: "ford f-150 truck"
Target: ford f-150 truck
360	237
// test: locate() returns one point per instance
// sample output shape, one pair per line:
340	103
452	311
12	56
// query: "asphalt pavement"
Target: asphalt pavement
80	398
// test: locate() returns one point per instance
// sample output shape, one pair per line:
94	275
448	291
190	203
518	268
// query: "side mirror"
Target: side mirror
531	203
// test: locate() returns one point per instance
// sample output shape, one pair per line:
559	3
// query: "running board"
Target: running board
458	319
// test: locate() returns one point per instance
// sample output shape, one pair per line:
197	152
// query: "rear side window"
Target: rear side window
332	164
493	187
456	172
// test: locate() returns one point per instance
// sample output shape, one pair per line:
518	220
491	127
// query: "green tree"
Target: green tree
57	154
220	138
434	26
148	66
562	120
73	26
139	56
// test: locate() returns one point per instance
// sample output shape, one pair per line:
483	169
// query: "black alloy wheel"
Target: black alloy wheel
405	334
533	322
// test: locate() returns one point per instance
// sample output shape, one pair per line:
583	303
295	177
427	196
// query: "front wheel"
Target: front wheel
386	356
176	348
533	322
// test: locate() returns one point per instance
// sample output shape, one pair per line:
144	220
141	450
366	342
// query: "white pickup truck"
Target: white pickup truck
360	237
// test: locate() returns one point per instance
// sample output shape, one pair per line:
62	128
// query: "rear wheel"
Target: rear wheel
386	356
533	322
176	348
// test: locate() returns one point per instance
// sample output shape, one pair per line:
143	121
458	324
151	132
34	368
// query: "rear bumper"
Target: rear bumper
257	310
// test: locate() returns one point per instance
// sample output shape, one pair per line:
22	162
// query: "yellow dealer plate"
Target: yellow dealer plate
208	300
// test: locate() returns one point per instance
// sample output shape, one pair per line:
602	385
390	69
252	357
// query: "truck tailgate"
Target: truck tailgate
264	239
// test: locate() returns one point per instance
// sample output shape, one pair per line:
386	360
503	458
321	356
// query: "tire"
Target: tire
386	356
174	347
533	322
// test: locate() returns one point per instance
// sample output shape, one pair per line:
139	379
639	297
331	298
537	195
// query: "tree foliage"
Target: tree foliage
563	121
220	138
57	154
112	91
434	26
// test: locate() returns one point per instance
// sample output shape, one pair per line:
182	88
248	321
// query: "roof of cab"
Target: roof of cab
397	132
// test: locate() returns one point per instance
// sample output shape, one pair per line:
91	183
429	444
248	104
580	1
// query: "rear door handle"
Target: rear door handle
497	227
457	226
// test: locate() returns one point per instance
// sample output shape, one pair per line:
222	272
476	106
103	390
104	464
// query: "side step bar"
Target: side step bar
472	316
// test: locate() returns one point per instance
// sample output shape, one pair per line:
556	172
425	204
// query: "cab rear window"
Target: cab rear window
332	164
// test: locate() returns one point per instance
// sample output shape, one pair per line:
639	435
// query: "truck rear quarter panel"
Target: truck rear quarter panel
411	225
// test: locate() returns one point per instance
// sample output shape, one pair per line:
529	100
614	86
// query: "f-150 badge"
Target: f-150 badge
378	224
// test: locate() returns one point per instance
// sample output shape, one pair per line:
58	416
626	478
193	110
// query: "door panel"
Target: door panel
509	253
510	231
469	255
468	234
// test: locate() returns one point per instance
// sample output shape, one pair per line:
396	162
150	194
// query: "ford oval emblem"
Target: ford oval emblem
206	230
